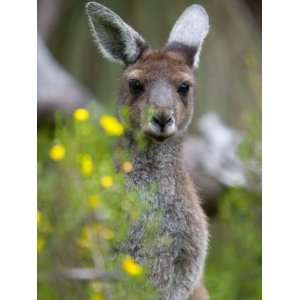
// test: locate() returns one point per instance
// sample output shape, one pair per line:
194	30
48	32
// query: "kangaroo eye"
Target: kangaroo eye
183	89
136	87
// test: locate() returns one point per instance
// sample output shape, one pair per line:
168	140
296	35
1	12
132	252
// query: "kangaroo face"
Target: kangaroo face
158	90
157	85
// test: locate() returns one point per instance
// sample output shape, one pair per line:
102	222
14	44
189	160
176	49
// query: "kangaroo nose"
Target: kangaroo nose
162	120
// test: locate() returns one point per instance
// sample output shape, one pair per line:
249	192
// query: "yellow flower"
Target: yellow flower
85	239
131	267
91	233
127	167
96	296
105	232
94	201
57	152
81	115
111	125
40	245
38	217
86	165
106	181
101	231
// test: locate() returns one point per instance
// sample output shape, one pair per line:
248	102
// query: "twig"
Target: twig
83	274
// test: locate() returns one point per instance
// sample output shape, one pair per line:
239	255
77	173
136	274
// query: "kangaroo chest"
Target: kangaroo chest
166	214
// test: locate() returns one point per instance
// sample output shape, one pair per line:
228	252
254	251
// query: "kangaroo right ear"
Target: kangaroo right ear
188	34
116	40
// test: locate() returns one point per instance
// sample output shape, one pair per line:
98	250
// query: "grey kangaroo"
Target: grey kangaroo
161	82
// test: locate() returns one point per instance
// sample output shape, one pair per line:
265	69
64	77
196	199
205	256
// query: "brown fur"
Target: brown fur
161	65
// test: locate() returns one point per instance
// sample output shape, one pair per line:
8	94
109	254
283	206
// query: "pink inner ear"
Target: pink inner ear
187	52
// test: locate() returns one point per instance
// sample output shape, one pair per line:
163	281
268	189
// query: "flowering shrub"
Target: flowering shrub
84	213
111	125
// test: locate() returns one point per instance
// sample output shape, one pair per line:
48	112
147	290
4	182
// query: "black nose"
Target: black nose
162	120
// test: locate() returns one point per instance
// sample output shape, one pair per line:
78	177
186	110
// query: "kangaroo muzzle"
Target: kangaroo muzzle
161	125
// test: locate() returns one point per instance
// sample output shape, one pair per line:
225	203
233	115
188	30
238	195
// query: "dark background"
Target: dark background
229	76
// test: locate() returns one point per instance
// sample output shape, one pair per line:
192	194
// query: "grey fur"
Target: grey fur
177	251
116	40
176	265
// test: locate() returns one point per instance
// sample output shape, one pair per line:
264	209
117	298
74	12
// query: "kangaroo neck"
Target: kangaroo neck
157	160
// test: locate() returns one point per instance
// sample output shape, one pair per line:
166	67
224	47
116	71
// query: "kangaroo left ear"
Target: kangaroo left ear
188	34
116	40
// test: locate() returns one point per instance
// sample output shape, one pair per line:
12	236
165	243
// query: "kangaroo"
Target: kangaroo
160	82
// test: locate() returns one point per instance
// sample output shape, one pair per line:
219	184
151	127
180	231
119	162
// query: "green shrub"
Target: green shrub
234	260
84	214
84	211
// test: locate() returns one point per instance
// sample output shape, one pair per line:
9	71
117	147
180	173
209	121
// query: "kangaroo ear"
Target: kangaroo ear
116	40
188	34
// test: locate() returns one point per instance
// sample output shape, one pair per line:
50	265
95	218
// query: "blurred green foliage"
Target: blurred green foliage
84	214
234	260
84	211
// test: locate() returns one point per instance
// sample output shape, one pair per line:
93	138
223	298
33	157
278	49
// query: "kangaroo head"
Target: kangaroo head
157	85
